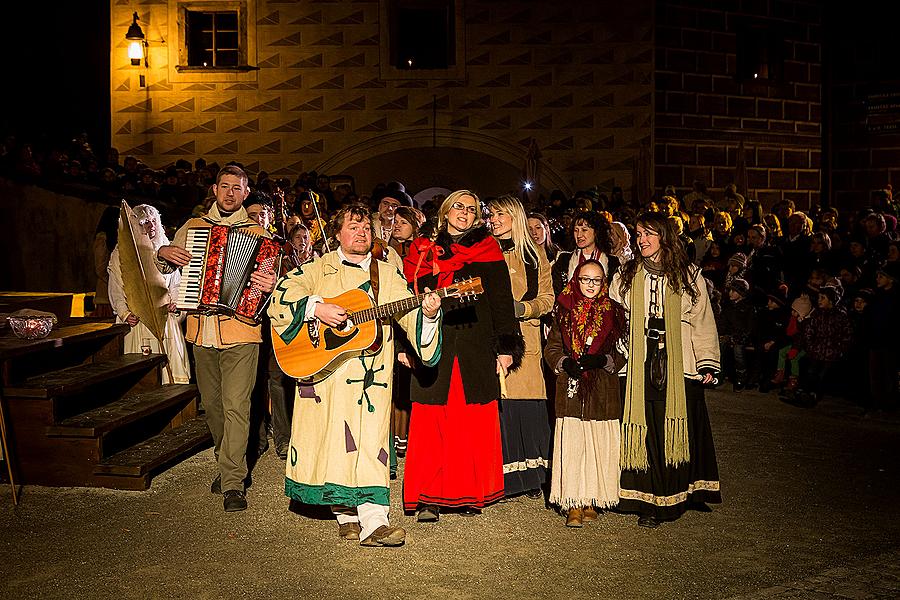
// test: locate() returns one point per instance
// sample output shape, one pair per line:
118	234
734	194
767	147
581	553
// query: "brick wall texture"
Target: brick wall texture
702	111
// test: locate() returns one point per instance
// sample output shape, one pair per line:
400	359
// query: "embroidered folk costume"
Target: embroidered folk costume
586	330
667	454
454	456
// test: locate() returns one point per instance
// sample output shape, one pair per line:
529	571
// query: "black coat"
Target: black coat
473	333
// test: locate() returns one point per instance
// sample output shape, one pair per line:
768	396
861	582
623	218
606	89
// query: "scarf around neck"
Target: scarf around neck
427	257
588	325
633	451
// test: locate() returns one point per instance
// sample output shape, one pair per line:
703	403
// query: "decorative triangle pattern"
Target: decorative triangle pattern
273	147
316	147
270	19
291	169
335	39
401	103
273	62
564	144
310	19
248	127
379	125
354	61
502	123
140	107
501	81
294	83
312	105
229	105
271	105
125	129
356	18
482	59
164	127
290	126
316	61
582	123
226	148
125	86
371	84
521	59
200	87
561	102
482	102
334	126
355	104
542	123
607	143
522	102
335	83
583	165
291	40
206	127
604	100
186	148
140	150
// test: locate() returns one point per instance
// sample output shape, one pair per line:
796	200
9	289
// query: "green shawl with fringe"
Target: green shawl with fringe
633	451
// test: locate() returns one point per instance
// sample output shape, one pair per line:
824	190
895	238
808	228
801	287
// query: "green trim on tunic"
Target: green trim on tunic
299	311
440	339
334	494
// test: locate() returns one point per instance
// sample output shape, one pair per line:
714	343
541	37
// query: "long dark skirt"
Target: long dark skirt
666	492
525	435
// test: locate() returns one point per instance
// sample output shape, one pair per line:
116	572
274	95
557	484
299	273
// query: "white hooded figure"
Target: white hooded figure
140	339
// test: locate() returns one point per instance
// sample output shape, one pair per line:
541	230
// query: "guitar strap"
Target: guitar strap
373	282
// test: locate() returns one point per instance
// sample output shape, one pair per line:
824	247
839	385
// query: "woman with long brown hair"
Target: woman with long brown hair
667	454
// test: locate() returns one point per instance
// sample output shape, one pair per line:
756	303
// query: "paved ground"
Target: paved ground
811	512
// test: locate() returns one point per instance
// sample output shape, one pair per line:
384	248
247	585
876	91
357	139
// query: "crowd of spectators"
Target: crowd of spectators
806	299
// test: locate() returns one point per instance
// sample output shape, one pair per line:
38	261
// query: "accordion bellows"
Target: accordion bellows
217	280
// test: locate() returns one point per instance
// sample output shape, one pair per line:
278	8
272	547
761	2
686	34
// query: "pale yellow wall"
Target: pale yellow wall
576	76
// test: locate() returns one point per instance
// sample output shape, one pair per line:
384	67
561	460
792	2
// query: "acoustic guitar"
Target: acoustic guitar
318	350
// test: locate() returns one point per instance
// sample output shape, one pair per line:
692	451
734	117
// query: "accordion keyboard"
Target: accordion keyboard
190	288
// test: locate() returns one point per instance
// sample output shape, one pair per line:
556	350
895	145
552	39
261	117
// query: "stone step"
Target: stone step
140	460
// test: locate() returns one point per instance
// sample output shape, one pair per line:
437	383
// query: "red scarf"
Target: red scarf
599	319
427	258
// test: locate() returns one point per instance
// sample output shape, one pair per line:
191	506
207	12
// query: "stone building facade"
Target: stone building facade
575	77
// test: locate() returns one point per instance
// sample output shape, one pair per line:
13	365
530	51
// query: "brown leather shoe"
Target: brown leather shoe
575	517
591	514
349	531
386	536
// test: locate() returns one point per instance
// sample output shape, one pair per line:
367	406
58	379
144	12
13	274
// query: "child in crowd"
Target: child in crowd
790	355
735	327
770	335
737	264
827	338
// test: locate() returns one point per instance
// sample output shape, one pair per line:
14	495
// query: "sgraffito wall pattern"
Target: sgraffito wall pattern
575	76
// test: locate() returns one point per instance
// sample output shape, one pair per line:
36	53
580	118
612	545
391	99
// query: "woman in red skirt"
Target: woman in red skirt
454	459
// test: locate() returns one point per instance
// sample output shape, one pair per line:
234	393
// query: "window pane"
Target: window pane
227	41
206	40
424	38
199	20
226	21
227	58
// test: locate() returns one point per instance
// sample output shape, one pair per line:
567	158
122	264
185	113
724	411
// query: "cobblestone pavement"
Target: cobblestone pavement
811	511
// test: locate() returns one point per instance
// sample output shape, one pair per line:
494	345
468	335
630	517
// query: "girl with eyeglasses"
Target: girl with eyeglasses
454	457
668	458
524	426
582	351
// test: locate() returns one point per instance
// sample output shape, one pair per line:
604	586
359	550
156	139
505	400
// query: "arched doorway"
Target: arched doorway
454	159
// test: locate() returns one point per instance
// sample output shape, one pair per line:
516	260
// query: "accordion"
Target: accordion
217	280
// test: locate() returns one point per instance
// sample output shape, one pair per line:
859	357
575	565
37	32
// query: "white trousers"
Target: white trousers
369	516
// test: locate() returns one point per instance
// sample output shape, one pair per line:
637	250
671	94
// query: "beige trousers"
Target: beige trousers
226	379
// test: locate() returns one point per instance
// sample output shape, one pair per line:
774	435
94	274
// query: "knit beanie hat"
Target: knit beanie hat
833	289
779	295
802	306
739	259
740	286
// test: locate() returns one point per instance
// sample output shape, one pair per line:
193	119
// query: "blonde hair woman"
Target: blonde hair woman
524	425
454	458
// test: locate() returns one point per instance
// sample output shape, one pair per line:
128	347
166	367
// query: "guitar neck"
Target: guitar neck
391	308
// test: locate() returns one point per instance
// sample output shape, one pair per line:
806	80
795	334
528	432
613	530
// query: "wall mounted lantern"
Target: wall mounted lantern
136	43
